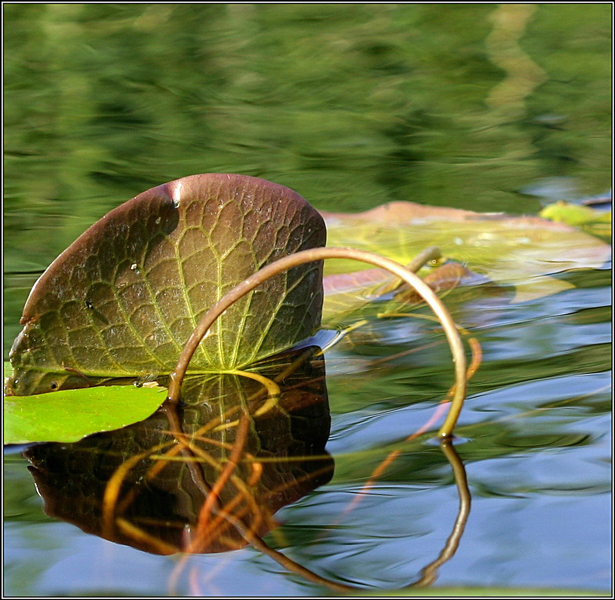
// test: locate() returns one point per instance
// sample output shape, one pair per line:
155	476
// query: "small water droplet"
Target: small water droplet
158	221
133	266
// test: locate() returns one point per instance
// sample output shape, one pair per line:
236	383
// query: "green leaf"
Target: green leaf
123	299
70	415
595	222
522	251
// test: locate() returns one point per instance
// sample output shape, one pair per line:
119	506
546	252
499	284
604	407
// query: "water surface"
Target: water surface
482	107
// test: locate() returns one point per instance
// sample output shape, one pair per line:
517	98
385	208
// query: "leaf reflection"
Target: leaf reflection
184	478
208	474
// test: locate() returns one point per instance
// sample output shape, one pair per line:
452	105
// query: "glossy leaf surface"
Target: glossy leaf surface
69	415
123	299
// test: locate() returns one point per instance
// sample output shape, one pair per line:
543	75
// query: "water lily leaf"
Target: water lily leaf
69	415
595	222
123	299
521	251
349	295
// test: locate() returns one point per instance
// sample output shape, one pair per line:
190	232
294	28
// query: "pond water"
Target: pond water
482	107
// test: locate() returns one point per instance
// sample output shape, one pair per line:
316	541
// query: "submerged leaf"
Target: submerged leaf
521	251
123	299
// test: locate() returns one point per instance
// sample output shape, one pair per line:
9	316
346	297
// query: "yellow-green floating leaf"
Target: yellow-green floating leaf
525	252
69	415
595	222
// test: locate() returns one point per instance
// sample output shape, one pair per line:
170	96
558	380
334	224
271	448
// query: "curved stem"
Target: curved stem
214	495
422	258
430	254
429	573
316	254
273	390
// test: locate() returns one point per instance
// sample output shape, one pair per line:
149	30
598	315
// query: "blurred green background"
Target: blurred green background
350	105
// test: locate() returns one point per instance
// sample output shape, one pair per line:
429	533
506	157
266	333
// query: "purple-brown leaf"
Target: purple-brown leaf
122	300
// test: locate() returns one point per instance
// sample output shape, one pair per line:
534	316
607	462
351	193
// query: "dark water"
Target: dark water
475	106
